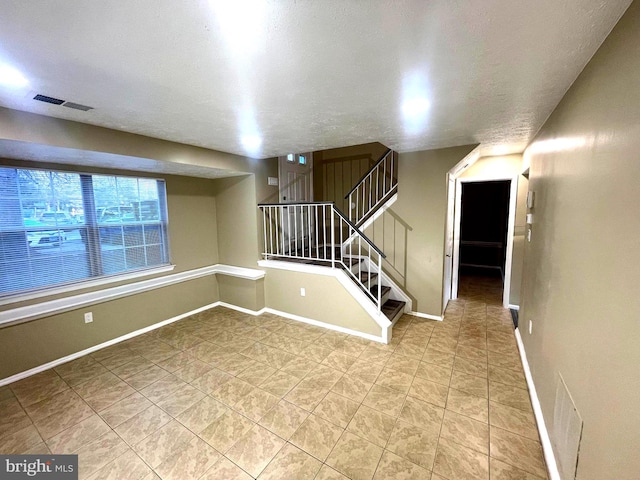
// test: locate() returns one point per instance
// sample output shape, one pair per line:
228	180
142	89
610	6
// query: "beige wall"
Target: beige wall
193	230
503	167
242	292
237	221
582	275
326	300
411	232
336	171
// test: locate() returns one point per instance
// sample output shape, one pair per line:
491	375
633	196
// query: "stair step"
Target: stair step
392	308
350	262
367	277
383	291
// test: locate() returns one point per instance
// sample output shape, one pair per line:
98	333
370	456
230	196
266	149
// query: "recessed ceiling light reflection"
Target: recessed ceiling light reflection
11	77
251	143
414	107
415	103
242	23
415	114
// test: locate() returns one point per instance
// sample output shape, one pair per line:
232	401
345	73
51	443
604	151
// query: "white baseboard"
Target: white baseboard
329	326
348	284
255	313
74	356
299	318
438	318
514	307
547	449
86	351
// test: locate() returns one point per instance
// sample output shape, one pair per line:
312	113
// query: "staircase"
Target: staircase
373	190
318	233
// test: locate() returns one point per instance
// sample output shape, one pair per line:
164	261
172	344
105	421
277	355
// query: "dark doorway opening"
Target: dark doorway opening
483	237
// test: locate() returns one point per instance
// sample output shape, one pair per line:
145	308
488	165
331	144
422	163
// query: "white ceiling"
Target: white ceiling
304	75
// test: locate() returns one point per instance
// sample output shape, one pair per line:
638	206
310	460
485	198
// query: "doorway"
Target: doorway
482	235
295	172
483	238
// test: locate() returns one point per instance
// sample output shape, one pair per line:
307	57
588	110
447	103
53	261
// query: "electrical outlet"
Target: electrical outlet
530	326
88	317
303	292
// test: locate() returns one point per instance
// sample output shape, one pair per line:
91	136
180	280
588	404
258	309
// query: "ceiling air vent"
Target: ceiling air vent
57	101
44	98
77	106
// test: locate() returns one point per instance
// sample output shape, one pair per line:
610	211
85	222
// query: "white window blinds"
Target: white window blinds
58	227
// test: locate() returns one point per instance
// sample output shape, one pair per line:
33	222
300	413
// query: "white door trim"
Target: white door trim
456	240
511	219
513	196
447	289
471	158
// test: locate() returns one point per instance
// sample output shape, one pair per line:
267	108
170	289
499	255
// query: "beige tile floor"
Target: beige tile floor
222	395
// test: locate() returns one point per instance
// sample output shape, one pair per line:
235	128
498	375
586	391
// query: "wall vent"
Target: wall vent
567	431
77	106
44	98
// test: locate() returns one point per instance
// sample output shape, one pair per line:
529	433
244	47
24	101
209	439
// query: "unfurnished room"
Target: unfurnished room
319	240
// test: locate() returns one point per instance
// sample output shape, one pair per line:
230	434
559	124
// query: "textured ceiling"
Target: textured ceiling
264	78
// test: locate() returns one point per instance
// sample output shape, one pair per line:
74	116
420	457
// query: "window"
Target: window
58	228
296	157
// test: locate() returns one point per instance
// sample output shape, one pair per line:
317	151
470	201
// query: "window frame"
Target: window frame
92	227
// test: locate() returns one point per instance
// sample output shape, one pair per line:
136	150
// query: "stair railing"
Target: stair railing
319	233
374	189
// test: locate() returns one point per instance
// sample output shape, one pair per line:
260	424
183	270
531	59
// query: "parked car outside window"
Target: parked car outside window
43	238
55	218
115	214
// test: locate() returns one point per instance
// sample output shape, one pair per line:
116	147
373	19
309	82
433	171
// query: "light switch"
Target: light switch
530	199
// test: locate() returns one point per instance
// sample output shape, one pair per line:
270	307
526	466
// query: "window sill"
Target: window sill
61	305
85	284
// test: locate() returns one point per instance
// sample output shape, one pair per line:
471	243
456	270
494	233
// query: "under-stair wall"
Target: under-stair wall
324	299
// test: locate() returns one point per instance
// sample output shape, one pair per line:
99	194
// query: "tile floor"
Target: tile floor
223	395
